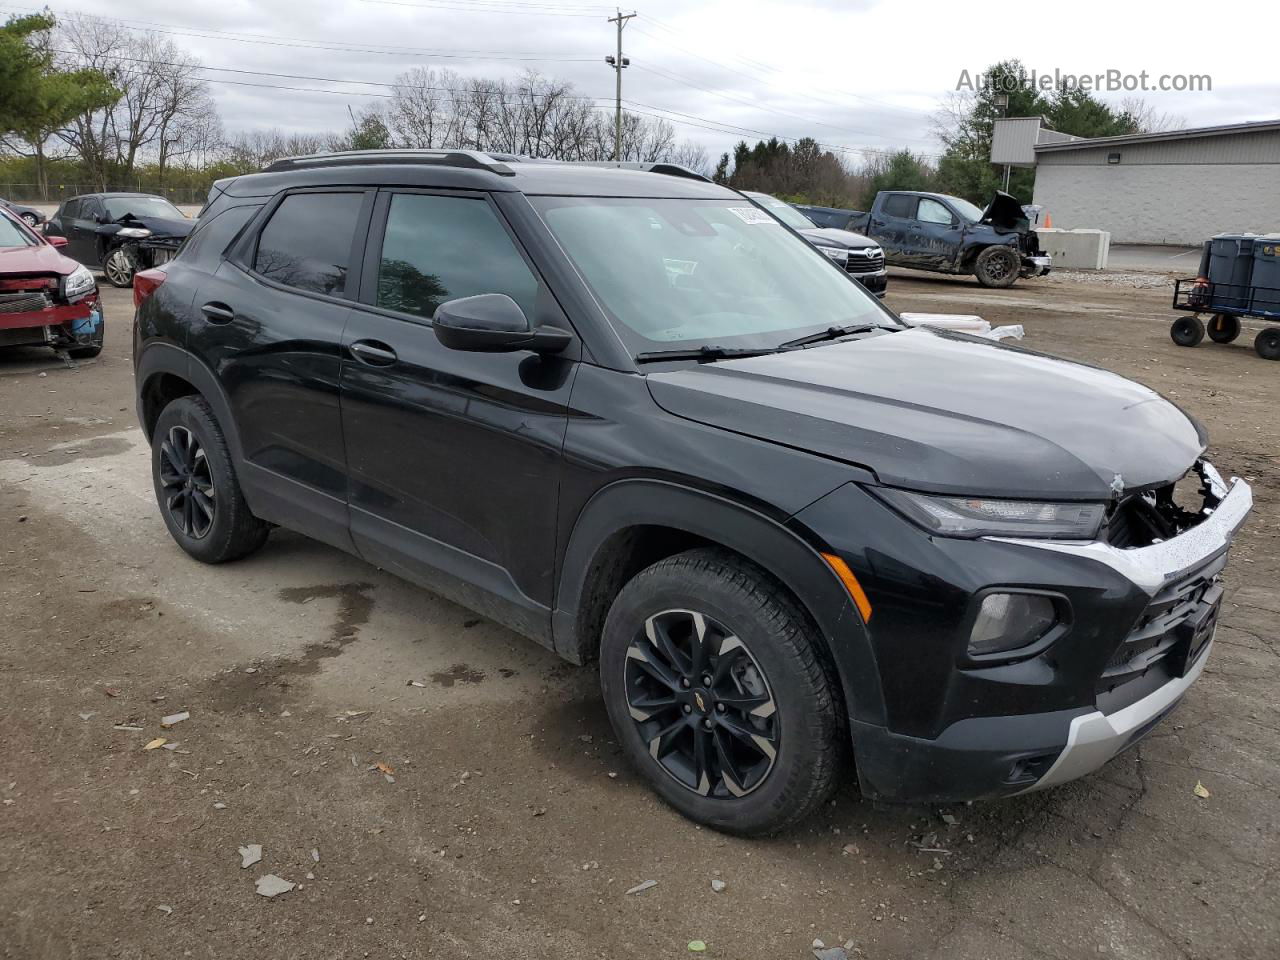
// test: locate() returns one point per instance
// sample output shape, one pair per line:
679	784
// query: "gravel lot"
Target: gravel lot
483	811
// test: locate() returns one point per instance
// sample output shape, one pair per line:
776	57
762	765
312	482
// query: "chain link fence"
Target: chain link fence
57	192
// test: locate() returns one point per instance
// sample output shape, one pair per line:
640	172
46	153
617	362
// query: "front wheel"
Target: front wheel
716	687
1187	331
31	219
997	267
119	268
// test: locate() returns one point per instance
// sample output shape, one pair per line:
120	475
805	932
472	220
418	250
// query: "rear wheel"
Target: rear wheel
196	486
119	268
1187	331
1267	344
716	688
1224	328
997	266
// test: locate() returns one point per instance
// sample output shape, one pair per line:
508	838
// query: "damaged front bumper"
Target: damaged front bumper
1134	628
39	319
1037	266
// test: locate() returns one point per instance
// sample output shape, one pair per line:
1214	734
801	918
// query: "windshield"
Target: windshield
963	207
785	212
118	207
686	273
12	235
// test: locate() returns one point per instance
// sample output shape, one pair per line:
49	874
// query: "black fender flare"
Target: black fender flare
160	357
746	531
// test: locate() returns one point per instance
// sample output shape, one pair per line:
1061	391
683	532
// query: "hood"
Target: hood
831	237
1004	212
41	258
944	413
159	226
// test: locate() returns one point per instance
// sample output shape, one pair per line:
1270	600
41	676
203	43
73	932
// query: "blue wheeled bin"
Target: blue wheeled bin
1239	277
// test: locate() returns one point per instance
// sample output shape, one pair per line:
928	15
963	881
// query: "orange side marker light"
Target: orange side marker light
850	583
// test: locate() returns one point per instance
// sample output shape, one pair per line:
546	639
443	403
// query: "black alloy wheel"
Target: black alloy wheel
702	703
187	483
997	266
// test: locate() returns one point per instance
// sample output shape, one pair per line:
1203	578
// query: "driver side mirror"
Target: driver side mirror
493	323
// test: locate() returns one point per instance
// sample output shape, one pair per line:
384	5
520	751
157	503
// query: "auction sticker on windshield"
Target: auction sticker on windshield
751	215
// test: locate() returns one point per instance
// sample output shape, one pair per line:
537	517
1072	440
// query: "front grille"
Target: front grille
1156	635
860	262
24	302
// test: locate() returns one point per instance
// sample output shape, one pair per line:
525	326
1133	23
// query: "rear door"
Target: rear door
454	457
269	324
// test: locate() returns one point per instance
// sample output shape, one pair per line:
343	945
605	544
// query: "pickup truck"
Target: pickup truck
945	234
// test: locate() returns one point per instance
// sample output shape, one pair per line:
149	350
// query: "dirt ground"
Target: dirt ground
484	811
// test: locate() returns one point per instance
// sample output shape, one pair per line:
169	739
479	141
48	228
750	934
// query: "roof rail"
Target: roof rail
472	159
670	169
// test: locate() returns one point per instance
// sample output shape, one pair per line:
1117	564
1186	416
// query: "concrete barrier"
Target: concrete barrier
1076	249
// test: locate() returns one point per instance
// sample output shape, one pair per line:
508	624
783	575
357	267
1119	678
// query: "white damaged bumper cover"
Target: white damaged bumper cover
1094	738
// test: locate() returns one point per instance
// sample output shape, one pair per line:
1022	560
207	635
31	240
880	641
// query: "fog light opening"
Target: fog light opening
1007	622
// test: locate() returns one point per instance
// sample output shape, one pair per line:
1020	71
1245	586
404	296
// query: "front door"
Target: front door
936	234
269	325
454	457
81	231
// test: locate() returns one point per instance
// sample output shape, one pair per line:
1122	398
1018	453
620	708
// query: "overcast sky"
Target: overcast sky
854	73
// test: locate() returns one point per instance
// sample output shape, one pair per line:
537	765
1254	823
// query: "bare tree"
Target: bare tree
163	103
1148	118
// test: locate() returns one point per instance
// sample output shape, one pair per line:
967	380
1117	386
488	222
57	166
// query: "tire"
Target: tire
119	268
1187	331
31	220
784	692
231	531
1224	328
997	266
1267	343
85	353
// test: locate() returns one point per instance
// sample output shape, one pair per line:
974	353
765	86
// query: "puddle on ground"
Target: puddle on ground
458	673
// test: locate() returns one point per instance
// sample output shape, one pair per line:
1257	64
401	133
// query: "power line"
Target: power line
755	106
442	5
308	44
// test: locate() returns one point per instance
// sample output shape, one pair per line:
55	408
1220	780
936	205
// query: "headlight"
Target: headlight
78	283
1006	622
836	253
980	517
134	232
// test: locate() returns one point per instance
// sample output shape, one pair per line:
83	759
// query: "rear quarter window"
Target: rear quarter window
900	205
213	234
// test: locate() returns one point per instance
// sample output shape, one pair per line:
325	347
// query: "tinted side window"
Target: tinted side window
931	211
440	248
91	208
70	209
900	205
307	242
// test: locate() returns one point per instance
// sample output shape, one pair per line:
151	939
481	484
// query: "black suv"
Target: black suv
120	232
634	418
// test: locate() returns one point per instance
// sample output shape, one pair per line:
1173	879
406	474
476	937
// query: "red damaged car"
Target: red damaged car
46	299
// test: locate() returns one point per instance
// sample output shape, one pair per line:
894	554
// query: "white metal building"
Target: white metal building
1178	187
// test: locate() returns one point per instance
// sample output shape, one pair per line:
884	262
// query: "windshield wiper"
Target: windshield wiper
705	352
831	333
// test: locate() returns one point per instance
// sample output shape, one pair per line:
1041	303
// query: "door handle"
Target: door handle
373	352
218	312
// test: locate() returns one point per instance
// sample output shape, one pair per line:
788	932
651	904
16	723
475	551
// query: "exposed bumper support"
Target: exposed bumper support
1036	266
1095	738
